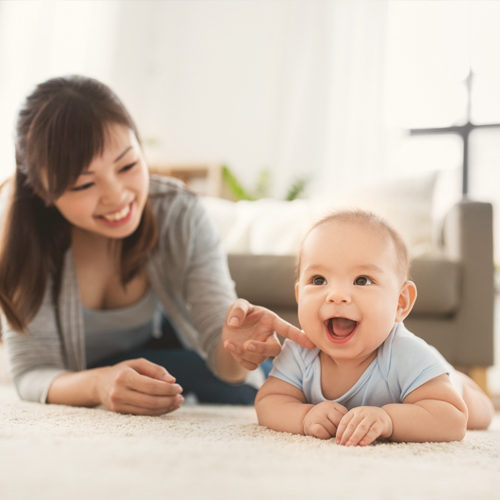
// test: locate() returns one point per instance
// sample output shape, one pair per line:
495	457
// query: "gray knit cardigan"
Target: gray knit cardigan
188	274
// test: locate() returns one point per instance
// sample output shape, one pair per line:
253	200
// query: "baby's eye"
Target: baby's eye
363	281
318	280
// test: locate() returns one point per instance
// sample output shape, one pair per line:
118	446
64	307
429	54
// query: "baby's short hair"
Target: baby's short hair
374	221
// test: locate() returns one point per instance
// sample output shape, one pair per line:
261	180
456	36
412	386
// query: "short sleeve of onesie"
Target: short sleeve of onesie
290	364
411	362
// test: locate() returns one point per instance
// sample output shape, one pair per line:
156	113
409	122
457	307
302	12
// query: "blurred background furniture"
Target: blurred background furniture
203	179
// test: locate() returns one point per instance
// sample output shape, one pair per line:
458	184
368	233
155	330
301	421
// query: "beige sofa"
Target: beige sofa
454	308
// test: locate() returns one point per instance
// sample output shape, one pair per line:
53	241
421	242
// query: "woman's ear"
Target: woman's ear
407	298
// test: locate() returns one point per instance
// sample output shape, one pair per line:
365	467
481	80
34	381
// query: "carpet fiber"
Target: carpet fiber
216	452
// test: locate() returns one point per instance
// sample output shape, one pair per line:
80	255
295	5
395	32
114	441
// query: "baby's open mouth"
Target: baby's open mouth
341	327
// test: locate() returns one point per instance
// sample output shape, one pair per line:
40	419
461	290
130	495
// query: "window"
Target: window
443	74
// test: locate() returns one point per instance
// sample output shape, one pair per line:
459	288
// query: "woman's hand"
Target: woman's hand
248	333
323	419
138	386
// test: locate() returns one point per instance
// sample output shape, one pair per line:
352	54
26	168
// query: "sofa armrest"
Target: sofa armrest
468	238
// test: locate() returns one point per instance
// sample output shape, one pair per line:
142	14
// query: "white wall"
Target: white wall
203	79
304	87
43	39
248	83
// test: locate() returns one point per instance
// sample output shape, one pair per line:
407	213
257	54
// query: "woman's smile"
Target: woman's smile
119	217
110	195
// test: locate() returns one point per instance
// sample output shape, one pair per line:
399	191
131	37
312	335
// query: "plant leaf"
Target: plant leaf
234	186
296	189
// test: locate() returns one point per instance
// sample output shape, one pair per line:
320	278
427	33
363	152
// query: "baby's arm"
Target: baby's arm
432	412
283	407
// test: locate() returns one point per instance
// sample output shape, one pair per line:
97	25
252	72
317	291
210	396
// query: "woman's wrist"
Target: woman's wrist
96	375
77	388
227	366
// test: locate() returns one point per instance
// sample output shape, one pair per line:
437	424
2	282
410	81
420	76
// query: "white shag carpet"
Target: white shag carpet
219	452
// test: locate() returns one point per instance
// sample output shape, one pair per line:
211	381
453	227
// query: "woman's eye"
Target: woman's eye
318	280
363	281
127	167
83	187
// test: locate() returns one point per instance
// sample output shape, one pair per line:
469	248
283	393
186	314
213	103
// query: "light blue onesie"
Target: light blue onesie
404	362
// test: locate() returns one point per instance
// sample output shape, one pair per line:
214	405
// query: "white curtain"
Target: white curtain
293	85
43	39
332	101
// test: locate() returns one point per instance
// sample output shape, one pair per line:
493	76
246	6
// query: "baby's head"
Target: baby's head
352	284
369	220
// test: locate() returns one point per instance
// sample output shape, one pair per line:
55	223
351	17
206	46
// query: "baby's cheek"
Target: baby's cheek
302	314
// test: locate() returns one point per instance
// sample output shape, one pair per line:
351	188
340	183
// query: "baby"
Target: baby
368	377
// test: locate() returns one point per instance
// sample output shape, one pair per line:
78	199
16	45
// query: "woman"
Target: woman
114	287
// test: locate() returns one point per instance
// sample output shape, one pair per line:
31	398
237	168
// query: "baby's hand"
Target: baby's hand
362	425
321	420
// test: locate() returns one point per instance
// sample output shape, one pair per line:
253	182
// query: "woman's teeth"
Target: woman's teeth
118	215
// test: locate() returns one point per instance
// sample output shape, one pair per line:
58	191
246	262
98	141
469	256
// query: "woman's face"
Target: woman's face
109	196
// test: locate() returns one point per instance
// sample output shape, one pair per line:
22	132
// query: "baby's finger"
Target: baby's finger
330	426
342	426
318	431
334	415
358	433
237	312
340	408
350	429
370	436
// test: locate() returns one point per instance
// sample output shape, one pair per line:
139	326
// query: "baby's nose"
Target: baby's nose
337	295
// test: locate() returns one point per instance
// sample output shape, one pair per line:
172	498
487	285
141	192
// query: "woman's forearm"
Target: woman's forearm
76	388
427	420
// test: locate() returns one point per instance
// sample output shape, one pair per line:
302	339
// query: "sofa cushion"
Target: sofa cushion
438	281
269	280
276	227
266	280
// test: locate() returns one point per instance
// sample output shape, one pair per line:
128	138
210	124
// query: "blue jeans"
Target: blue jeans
190	370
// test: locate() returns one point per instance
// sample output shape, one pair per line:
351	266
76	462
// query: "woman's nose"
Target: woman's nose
112	192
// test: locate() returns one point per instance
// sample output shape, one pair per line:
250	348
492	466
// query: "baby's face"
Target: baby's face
349	289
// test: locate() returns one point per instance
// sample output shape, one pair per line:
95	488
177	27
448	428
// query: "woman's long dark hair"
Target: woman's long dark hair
61	128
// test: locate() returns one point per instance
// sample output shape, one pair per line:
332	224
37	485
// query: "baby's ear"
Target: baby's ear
407	298
297	292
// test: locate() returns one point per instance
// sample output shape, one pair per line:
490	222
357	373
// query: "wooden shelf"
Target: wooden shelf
205	180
